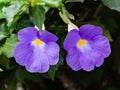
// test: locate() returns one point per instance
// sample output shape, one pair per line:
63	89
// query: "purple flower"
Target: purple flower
36	51
86	47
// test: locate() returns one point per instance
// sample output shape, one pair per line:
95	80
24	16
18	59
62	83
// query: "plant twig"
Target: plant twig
97	11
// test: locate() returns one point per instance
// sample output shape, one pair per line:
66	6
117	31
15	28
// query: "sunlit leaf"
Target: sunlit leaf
2	15
11	10
10	43
112	4
3	31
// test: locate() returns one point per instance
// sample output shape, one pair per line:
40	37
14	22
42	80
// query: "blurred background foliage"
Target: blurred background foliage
18	14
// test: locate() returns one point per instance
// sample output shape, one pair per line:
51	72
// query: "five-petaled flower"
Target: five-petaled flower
86	47
36	51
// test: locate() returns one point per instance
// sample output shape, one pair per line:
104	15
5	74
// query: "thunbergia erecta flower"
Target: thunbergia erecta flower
36	51
86	47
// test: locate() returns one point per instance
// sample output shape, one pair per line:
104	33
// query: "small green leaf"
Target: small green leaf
112	4
10	43
106	32
37	15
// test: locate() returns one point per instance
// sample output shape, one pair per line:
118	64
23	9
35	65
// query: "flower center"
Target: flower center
81	42
38	42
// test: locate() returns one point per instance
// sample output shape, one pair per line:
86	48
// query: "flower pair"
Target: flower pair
86	49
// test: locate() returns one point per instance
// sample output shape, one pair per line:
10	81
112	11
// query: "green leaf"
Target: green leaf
11	10
38	15
10	43
106	32
53	69
51	3
2	15
67	1
112	4
37	2
3	31
4	61
2	36
7	1
21	73
34	77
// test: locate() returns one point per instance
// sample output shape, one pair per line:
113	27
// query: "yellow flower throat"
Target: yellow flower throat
81	42
38	42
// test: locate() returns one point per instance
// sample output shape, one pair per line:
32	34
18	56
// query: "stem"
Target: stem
97	10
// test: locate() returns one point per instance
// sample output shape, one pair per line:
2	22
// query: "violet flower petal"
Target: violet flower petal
86	62
95	56
89	31
52	52
101	43
38	62
22	53
71	39
27	35
73	59
48	37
